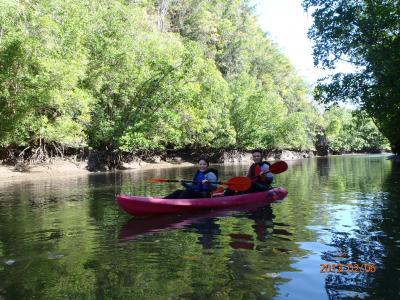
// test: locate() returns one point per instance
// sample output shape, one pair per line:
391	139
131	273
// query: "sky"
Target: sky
287	24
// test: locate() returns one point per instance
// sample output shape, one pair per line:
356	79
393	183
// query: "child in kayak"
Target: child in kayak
259	175
203	183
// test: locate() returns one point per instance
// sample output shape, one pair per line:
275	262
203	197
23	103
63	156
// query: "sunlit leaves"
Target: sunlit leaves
100	74
366	34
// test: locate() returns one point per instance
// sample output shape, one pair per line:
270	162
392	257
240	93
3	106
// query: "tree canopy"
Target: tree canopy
148	75
366	34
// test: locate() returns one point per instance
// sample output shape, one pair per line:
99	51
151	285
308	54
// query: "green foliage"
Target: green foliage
41	66
269	101
100	74
348	130
365	33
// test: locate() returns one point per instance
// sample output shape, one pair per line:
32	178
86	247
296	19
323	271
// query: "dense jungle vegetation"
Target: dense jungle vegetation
157	75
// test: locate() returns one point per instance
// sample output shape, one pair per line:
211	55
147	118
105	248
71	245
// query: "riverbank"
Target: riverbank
102	162
99	162
62	168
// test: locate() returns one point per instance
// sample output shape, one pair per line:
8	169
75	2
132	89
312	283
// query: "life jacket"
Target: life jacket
255	170
200	176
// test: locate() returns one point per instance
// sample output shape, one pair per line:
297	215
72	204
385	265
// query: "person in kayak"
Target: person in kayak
202	186
259	174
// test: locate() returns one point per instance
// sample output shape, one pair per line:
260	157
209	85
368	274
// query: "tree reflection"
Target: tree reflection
374	239
68	239
207	227
224	265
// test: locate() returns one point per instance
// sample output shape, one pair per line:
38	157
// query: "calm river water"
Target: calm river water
67	239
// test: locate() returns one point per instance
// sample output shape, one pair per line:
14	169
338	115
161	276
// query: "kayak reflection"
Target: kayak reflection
207	227
262	218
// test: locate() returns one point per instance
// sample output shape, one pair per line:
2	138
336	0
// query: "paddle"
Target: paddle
219	190
236	183
239	183
275	168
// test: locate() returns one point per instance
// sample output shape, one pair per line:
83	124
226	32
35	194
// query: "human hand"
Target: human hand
264	173
204	181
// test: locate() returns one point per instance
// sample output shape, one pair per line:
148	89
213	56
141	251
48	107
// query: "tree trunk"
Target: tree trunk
162	12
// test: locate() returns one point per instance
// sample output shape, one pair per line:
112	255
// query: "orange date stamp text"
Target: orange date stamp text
347	268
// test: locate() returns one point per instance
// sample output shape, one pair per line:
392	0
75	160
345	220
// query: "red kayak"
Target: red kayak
144	206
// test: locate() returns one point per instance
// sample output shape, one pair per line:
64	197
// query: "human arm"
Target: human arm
265	172
211	177
187	185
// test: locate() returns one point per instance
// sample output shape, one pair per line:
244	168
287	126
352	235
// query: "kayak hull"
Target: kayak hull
145	206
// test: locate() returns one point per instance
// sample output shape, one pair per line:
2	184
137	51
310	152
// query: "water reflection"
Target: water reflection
206	225
68	239
372	238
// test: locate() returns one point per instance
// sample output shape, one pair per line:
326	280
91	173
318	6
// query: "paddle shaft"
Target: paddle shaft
275	168
236	183
190	181
254	177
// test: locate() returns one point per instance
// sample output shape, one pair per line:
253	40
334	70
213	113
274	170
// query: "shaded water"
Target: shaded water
66	239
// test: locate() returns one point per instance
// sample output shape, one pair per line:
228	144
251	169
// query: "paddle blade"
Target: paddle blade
278	167
218	192
239	183
157	180
220	189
